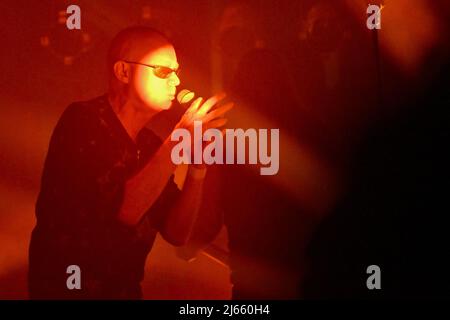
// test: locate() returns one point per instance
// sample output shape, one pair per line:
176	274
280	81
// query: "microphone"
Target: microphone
185	96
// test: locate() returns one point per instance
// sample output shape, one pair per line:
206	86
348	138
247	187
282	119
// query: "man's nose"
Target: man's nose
174	80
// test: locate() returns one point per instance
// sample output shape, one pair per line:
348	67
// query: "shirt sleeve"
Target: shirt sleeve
157	214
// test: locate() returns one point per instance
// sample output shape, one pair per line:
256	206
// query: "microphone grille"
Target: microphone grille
185	95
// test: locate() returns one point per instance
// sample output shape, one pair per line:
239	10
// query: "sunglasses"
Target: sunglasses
161	72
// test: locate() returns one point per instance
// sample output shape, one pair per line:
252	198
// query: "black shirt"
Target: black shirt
90	157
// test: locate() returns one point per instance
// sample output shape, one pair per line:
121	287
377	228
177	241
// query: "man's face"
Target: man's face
147	88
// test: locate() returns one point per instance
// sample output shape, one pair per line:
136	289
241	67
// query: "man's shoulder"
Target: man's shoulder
81	113
87	108
80	119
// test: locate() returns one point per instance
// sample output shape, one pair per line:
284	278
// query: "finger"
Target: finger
216	123
194	105
210	103
218	112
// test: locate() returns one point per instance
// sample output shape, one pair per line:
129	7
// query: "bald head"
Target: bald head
133	43
142	67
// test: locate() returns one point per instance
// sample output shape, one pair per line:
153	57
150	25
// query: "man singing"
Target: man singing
107	186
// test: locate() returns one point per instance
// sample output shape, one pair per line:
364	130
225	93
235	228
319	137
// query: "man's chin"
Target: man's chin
167	106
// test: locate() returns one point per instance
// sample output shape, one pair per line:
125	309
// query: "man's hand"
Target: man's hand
202	112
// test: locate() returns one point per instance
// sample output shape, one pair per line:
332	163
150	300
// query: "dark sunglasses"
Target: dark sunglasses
162	72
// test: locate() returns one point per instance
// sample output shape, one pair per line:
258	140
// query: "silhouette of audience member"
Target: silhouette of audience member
394	214
266	226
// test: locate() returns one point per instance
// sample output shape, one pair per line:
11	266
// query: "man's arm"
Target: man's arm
142	190
180	221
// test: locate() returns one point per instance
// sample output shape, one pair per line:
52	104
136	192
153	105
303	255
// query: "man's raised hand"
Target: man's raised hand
202	112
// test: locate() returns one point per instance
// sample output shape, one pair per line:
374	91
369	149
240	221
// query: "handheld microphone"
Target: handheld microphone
185	96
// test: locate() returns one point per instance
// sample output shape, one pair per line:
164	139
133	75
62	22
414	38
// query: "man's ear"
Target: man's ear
122	71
